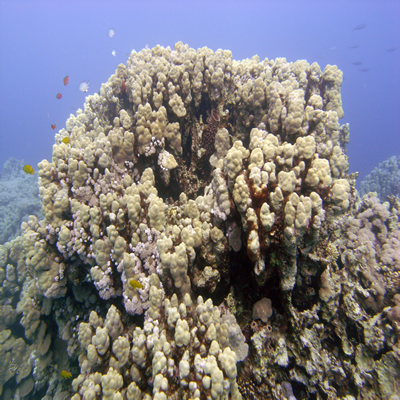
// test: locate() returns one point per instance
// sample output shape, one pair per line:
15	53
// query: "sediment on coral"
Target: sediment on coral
202	239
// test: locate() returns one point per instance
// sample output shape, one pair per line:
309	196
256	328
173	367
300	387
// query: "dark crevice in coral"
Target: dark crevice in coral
18	331
241	272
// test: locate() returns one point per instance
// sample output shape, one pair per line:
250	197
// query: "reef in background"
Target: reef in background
384	179
202	239
19	198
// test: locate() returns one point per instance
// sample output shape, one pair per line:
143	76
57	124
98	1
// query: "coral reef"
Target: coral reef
202	239
19	198
384	179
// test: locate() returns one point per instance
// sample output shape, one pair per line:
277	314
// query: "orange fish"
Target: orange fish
66	80
59	96
53	126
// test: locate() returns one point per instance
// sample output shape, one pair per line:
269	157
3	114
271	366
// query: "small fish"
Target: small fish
364	69
135	284
66	140
66	80
114	53
53	126
28	169
111	32
391	49
356	46
359	27
357	63
65	374
84	86
59	96
123	87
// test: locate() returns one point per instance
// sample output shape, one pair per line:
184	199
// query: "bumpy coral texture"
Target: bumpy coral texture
194	186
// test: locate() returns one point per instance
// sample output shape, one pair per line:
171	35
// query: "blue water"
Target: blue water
42	41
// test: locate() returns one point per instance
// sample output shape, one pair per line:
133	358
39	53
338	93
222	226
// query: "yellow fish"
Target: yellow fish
28	169
66	140
135	284
65	374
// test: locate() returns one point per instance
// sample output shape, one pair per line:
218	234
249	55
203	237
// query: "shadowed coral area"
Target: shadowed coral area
202	239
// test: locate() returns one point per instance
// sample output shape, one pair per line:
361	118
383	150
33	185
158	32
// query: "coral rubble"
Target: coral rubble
202	239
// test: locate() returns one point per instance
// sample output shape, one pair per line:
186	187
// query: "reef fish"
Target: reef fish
84	86
357	63
66	140
111	32
65	374
59	96
53	126
114	53
28	169
66	80
359	27
135	284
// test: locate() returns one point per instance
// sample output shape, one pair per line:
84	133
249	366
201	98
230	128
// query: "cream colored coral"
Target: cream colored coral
234	159
305	146
295	112
241	194
156	212
101	340
167	160
287	181
113	322
221	143
121	349
319	172
177	105
267	217
111	383
340	193
332	77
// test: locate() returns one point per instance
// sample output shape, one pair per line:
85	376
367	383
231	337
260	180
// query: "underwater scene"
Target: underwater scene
198	230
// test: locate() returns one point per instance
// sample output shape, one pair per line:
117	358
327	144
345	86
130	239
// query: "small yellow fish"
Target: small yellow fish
66	140
28	169
65	374
135	284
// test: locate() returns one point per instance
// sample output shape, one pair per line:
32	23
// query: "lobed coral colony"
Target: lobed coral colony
202	240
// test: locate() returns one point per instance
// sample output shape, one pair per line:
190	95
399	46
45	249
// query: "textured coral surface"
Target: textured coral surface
202	239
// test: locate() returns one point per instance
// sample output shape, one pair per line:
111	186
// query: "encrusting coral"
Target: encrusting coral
193	188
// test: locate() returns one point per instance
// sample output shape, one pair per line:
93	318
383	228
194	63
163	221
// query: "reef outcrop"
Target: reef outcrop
196	193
